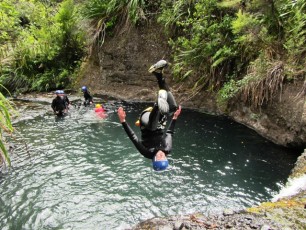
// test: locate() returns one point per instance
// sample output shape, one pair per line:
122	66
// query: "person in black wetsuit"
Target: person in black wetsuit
87	96
58	104
155	144
66	100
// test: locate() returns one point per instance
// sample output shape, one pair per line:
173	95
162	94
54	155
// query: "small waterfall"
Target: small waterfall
293	187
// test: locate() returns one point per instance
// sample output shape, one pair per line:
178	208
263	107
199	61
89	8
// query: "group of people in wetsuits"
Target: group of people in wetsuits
156	140
60	103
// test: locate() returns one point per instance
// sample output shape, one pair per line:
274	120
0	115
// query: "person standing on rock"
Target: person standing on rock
87	96
155	144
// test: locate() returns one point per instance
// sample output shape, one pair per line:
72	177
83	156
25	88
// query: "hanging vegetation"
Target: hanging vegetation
109	15
236	47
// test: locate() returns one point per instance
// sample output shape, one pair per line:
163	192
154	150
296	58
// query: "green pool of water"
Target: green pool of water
82	172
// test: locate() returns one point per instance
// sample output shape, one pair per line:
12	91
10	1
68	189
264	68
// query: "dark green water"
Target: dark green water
82	172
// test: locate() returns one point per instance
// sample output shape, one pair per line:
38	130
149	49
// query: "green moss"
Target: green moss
287	212
268	206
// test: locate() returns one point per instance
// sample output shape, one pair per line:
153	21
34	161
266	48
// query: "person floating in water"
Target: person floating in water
87	96
58	104
100	111
155	144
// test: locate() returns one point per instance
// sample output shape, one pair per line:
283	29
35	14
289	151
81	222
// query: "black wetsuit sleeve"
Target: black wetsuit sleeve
53	105
67	100
88	97
133	137
171	127
168	137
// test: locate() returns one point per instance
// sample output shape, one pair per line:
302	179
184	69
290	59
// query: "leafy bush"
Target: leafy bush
228	91
212	40
103	10
9	21
106	15
204	49
293	18
48	46
6	110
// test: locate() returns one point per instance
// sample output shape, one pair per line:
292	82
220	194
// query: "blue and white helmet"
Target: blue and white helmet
160	165
84	88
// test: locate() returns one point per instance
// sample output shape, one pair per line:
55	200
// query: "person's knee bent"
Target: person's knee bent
144	119
149	120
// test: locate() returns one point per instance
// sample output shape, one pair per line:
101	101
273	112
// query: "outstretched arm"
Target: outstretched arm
53	106
177	113
171	126
133	137
170	131
121	115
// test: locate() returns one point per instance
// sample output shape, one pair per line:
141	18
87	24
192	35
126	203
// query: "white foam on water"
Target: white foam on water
293	187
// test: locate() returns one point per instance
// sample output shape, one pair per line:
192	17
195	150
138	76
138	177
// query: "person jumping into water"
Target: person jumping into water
155	144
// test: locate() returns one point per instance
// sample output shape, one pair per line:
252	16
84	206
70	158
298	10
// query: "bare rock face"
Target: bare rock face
299	169
120	70
283	121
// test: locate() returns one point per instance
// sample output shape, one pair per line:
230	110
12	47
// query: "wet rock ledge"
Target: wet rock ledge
228	220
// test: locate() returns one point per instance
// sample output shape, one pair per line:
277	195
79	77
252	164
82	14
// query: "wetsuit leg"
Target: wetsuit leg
163	85
167	138
161	81
60	113
172	103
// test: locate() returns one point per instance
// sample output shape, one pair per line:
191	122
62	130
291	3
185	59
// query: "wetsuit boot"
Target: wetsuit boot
158	66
